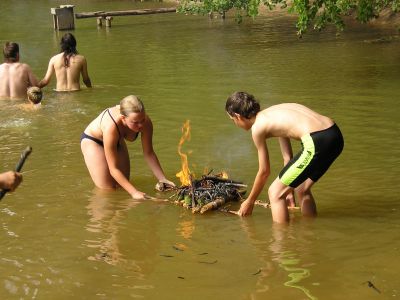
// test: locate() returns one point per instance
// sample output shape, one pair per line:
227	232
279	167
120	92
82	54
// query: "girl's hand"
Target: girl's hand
165	185
168	182
137	195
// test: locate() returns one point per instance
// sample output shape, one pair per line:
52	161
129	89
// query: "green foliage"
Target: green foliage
315	13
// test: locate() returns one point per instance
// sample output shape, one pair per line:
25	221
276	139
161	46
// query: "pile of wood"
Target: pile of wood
208	193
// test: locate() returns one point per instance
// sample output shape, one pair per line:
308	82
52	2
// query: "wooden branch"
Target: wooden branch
104	14
212	205
267	205
18	167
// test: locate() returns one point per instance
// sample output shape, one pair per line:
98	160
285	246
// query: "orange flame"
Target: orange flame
184	174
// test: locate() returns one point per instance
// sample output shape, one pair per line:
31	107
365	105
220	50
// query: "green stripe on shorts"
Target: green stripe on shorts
301	163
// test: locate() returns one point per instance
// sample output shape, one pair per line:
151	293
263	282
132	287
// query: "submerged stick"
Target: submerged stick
18	167
212	205
267	205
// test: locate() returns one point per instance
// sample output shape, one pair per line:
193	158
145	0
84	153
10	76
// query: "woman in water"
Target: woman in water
68	67
106	153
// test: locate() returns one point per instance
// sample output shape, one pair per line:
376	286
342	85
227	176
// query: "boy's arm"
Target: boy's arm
287	154
286	149
85	74
50	70
262	175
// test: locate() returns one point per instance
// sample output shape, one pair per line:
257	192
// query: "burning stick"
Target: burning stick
207	193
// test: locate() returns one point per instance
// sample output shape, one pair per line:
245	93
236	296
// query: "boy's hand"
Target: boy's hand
10	180
290	200
246	208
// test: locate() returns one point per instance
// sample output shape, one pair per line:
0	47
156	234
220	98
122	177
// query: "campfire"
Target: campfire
210	191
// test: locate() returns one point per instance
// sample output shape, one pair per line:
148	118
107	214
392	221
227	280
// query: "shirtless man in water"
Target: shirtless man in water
321	141
15	77
68	66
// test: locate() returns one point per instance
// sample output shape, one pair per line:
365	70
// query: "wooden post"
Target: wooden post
63	17
108	21
99	21
214	15
55	25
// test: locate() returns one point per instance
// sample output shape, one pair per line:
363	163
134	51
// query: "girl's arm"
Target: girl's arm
110	140
85	74
149	154
50	71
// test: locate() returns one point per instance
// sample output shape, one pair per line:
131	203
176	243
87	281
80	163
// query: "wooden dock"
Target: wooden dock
105	14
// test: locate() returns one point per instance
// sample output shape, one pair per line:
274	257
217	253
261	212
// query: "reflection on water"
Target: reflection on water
186	228
105	219
288	262
279	259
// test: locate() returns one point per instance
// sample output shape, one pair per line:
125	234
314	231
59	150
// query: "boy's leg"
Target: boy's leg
277	193
306	199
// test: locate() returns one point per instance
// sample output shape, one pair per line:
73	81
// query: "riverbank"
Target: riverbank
387	18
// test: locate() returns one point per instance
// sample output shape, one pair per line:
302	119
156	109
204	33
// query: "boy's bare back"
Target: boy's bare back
289	120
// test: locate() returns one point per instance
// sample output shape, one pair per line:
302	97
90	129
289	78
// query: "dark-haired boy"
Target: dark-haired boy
321	139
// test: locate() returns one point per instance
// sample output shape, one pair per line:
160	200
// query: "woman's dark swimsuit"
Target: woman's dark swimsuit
319	150
100	142
97	141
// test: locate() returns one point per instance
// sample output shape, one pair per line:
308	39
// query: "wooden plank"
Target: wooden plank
105	14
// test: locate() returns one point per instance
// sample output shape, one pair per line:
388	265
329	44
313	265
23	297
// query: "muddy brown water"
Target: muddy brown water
60	238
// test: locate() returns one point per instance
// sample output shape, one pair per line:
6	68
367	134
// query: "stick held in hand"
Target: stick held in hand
18	167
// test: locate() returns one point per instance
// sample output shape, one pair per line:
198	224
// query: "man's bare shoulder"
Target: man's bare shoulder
26	67
15	67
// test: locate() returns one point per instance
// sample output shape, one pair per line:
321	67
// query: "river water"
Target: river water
61	238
